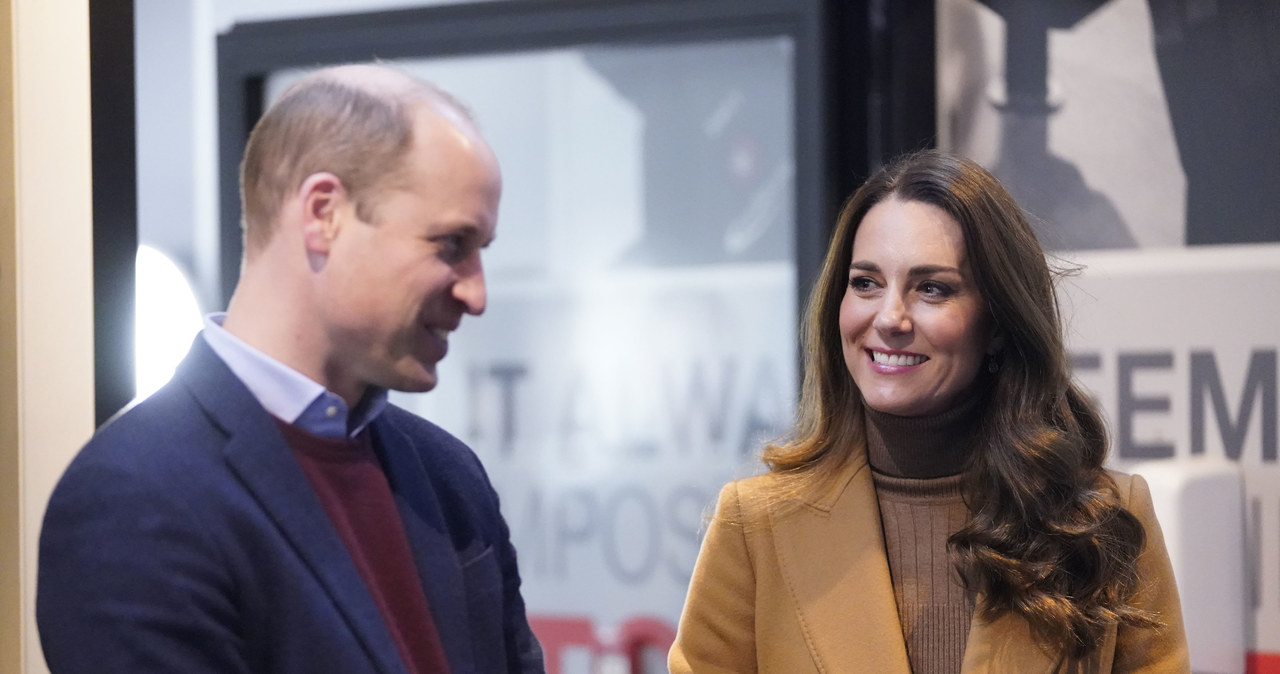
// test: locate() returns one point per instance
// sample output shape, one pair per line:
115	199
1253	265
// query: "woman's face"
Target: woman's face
913	327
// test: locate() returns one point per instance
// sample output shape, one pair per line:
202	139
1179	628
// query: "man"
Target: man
267	510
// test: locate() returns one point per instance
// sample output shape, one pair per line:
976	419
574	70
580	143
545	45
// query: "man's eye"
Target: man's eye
451	246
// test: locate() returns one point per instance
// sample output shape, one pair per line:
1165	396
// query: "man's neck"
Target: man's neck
266	312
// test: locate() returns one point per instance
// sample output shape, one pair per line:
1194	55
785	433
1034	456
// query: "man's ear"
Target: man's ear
322	197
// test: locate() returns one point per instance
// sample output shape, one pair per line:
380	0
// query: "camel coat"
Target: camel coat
808	589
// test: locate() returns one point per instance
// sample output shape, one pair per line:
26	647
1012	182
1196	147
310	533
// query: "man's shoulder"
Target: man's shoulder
140	418
439	449
157	455
150	412
175	409
425	436
166	434
418	427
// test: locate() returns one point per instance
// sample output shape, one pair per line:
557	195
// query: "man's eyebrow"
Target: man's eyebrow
473	232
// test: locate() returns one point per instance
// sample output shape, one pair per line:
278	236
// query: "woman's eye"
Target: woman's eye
936	289
862	283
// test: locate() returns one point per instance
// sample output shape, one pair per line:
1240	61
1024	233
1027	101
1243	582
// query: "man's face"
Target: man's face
394	288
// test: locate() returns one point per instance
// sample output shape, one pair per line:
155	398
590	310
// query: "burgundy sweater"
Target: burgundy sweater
349	480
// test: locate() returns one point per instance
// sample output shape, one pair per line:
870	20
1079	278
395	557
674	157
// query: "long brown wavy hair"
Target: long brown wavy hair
1047	537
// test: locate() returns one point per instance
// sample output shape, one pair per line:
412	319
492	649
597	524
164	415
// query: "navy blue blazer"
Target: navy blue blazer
185	538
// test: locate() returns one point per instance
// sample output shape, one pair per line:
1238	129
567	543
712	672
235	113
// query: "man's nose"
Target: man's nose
470	290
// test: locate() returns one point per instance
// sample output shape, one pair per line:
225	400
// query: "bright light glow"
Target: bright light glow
168	318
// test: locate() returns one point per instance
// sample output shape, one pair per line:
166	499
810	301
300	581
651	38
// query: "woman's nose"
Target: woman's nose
893	317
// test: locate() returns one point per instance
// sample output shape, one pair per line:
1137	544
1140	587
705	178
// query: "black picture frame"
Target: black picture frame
864	77
115	203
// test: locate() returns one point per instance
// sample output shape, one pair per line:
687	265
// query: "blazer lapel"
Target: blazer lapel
433	549
831	552
258	454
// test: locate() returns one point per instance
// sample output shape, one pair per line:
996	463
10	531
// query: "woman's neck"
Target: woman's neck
924	447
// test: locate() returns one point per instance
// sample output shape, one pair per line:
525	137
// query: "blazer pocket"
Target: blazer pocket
483	579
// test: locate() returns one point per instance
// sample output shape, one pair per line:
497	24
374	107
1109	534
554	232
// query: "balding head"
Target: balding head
354	121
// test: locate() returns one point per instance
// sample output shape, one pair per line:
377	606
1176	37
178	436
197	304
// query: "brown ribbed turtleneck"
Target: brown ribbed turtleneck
916	464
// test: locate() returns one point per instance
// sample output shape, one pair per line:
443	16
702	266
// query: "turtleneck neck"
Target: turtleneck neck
923	447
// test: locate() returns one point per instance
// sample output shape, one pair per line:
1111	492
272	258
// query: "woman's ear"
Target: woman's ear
996	342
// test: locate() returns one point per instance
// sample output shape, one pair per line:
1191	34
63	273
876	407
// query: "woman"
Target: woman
941	505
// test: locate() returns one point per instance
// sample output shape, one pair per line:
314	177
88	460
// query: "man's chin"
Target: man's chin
415	382
418	386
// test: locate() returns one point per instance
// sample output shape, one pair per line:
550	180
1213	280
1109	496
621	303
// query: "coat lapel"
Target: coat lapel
843	593
433	549
258	455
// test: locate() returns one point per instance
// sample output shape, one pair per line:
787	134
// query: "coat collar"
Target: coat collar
844	593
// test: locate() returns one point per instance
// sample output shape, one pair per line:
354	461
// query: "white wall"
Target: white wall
46	288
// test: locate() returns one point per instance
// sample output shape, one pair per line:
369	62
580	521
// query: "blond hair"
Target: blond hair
355	122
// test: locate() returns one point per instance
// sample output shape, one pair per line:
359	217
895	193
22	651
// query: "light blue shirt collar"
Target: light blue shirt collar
288	394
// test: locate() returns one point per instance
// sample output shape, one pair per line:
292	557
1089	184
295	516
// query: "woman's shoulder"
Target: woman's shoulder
1122	480
751	495
755	498
754	501
1134	494
1126	482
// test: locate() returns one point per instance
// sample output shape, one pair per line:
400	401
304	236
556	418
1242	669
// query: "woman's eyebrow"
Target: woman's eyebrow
929	269
918	270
